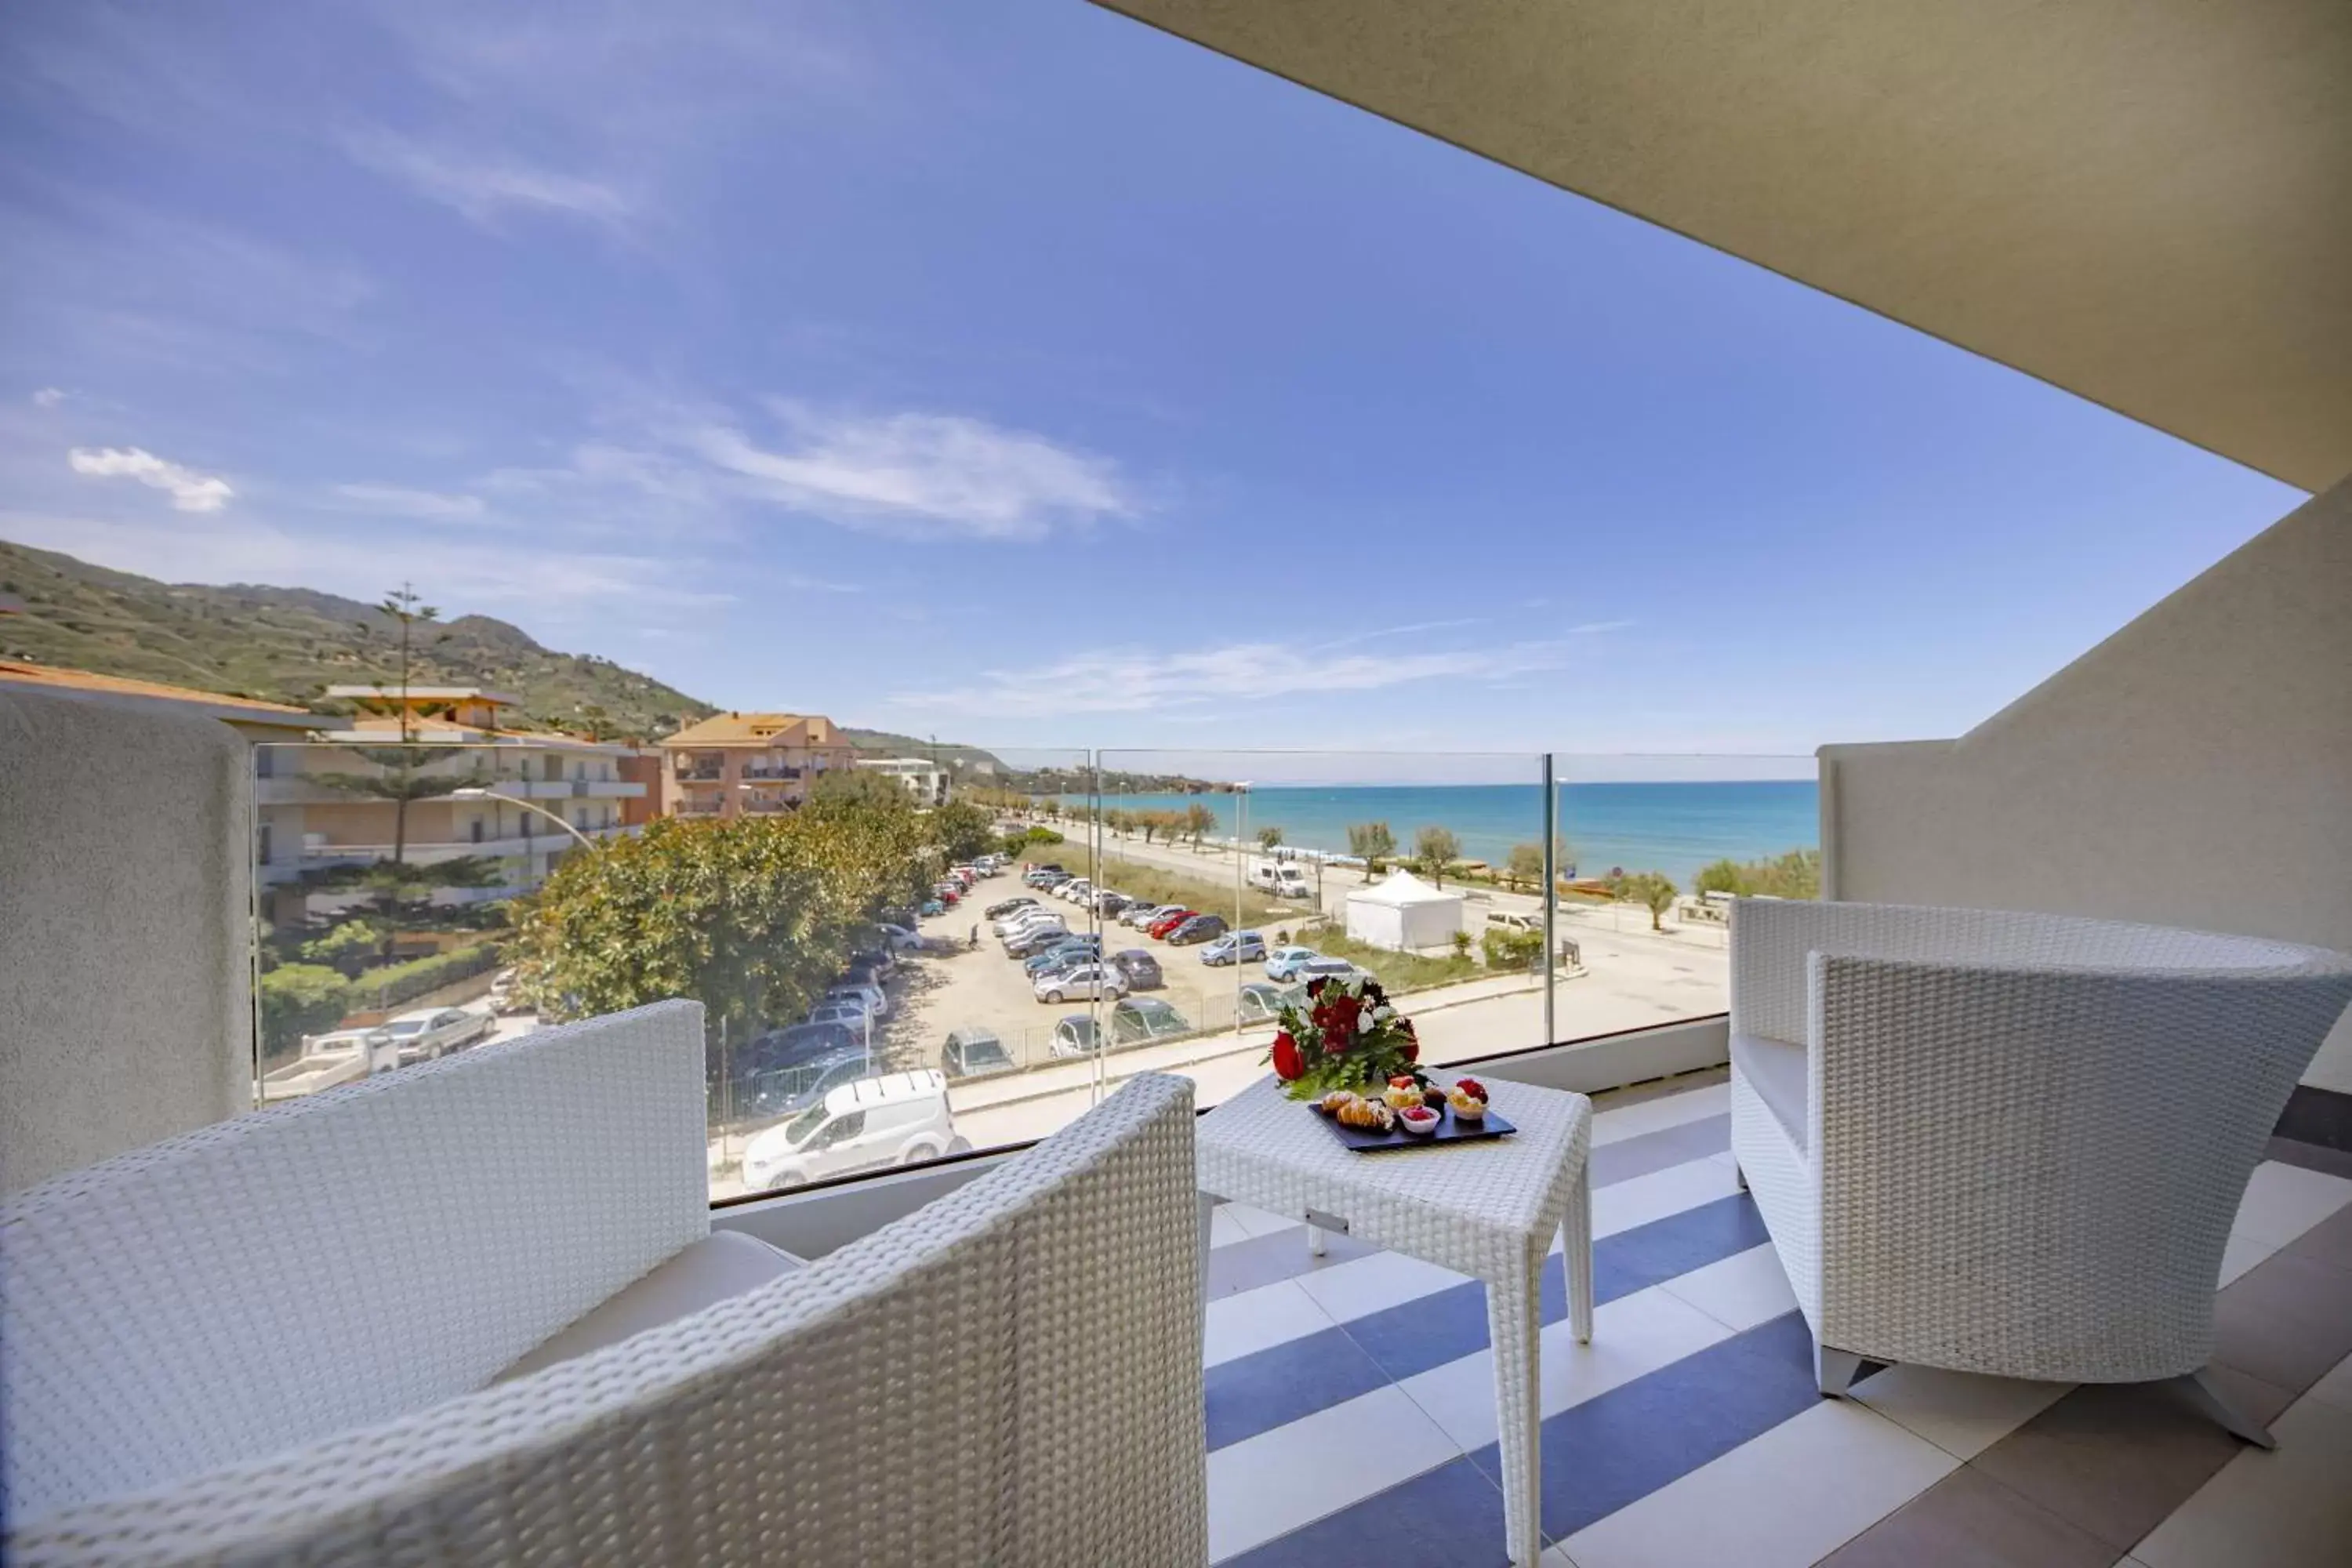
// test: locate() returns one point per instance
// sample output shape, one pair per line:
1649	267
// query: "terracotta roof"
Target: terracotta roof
19	673
751	729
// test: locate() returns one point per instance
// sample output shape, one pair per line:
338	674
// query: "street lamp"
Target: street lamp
475	791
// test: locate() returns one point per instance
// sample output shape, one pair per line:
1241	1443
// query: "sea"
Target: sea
1674	827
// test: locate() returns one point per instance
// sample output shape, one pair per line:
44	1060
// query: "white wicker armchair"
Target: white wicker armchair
274	1341
2010	1143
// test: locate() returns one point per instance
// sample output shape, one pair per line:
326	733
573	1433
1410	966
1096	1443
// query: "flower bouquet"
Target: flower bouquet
1346	1036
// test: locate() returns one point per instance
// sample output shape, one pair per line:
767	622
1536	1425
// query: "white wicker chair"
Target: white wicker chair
2010	1143
269	1341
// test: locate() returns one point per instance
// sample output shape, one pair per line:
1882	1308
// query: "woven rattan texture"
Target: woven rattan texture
339	1260
1009	1375
2031	1135
1469	1207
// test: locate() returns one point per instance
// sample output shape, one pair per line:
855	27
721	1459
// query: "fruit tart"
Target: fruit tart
1402	1093
1468	1099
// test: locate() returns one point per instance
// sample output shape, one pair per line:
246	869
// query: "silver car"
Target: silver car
1088	979
429	1032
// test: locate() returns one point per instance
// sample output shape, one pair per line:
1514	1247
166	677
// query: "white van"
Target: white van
892	1118
1281	878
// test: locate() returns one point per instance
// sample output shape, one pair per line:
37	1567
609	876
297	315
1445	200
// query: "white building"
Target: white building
923	779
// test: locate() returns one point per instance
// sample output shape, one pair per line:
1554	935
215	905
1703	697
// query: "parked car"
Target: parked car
430	1032
877	1001
1084	944
1257	1002
1161	925
947	893
1235	947
1108	904
998	911
892	1118
1074	1035
1321	968
974	1053
800	1044
1077	890
1036	941
843	1014
1025	920
1087	979
1144	913
1141	1019
1509	920
792	1088
343	1055
1142	970
935	906
1046	877
1045	926
898	938
1196	928
1282	963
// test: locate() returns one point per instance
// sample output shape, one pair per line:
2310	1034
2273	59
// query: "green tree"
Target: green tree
1269	837
1370	842
1508	950
1525	865
299	999
1198	820
1795	875
962	831
1433	849
1652	889
865	784
753	917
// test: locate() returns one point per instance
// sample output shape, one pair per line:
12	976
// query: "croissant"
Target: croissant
1339	1100
1368	1114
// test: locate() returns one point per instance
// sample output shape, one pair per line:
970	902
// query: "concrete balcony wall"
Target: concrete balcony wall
2193	770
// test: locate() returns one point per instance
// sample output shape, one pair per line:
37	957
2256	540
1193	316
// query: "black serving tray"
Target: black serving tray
1450	1129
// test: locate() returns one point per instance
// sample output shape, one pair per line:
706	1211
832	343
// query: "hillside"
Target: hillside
288	644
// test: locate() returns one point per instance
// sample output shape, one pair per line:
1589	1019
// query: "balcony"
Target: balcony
765	772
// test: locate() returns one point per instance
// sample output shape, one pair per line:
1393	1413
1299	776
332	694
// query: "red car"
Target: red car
1167	923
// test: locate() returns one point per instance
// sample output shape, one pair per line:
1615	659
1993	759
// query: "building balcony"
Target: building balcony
764	774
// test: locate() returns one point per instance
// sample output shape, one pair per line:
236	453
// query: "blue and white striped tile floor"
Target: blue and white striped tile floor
1351	1402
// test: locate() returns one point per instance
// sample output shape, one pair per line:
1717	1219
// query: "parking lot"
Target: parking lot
950	986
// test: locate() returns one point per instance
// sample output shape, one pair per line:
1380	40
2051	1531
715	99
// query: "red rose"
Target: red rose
1287	1063
1411	1049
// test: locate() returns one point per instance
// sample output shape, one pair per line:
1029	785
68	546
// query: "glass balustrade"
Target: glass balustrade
998	960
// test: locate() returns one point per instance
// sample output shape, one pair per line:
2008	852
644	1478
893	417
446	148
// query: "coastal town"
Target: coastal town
398	831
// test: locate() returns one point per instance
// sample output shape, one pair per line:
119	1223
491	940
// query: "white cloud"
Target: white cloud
396	501
485	188
922	473
190	490
1126	680
50	396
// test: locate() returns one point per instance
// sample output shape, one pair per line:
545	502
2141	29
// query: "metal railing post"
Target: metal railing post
1551	897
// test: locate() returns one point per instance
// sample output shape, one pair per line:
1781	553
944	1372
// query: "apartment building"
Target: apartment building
748	764
925	780
524	797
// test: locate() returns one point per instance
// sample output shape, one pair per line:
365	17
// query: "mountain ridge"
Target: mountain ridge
288	644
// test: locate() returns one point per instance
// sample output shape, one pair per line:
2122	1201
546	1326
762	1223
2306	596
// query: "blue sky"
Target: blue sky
1016	372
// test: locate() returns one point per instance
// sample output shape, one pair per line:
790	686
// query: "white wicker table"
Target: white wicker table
1486	1209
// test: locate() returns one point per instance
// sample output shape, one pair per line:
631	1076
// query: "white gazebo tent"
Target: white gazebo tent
1404	913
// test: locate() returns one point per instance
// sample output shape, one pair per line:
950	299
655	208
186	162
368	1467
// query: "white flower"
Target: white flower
1384	1013
1364	1023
